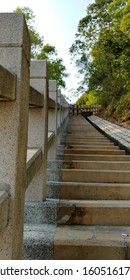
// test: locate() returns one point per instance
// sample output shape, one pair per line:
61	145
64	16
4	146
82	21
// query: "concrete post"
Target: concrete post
52	118
65	109
14	56
59	116
59	109
62	109
38	129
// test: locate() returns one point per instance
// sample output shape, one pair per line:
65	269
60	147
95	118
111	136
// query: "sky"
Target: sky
56	21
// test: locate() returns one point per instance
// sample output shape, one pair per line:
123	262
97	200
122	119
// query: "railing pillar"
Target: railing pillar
59	124
53	118
14	56
38	130
65	109
59	109
62	110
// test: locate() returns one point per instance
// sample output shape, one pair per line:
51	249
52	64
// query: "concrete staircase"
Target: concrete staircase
93	213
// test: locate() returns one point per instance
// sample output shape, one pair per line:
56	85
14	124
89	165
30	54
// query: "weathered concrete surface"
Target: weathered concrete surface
4	209
38	241
39	229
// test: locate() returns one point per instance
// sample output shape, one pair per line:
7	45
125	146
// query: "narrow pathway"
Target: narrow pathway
93	213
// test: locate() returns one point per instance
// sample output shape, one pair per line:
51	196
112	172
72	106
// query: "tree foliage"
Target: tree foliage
56	68
87	99
102	50
39	50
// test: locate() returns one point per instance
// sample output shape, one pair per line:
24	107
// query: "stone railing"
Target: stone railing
32	114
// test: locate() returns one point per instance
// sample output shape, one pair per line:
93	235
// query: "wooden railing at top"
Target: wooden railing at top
79	109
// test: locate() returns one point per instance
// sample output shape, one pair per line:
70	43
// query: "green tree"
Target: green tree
88	99
56	68
102	50
97	17
39	50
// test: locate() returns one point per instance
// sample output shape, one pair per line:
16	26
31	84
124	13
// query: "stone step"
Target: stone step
93	157
82	127
84	134
99	176
99	165
86	138
70	135
89	143
92	243
95	147
92	212
94	151
84	130
98	191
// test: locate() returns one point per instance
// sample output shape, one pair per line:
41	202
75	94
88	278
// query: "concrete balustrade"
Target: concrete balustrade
59	110
38	129
26	113
64	109
15	57
59	113
52	118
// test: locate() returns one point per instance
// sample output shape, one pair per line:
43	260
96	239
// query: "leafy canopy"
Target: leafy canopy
102	51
